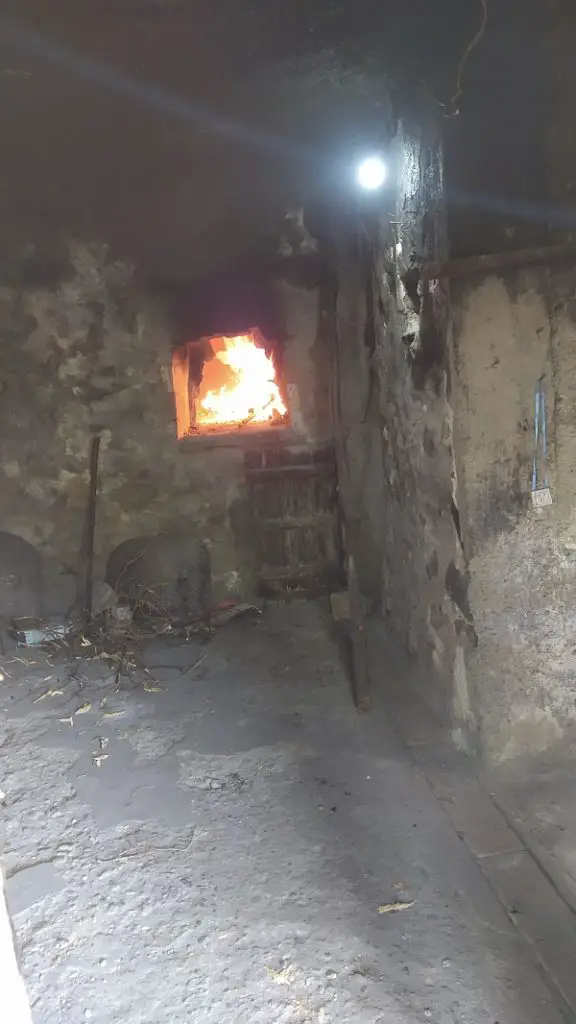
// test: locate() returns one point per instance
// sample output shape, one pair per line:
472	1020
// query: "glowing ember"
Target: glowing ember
238	386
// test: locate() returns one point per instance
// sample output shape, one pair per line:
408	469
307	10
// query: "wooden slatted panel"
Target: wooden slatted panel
294	508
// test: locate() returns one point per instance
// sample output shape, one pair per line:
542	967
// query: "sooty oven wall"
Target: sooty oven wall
84	349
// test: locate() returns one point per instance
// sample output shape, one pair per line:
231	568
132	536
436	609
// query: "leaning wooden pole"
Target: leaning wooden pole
354	616
90	527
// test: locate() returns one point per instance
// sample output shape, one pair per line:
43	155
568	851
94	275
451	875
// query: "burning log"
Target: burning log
237	385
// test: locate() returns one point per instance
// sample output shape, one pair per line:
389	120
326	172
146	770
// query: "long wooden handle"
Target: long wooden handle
91	525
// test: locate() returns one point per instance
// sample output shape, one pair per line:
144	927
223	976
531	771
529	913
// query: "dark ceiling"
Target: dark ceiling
176	129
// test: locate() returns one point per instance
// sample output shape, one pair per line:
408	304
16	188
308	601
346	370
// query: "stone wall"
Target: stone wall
398	427
91	352
305	361
509	331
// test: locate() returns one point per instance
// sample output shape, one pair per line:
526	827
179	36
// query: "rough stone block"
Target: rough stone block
480	824
532	902
558	959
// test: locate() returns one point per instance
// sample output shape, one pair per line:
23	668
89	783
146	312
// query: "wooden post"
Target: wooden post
90	526
360	681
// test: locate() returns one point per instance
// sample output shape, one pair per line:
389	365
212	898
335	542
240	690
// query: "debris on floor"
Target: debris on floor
226	613
285	976
393	908
32	632
118	634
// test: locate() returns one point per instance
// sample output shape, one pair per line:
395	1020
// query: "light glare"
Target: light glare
371	173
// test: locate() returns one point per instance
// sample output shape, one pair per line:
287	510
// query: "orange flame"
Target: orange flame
238	386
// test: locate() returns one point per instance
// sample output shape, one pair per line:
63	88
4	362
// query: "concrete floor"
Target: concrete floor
215	848
538	795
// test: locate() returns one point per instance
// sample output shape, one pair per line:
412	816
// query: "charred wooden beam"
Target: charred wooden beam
515	259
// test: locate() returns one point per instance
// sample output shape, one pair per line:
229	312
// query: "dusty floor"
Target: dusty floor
226	860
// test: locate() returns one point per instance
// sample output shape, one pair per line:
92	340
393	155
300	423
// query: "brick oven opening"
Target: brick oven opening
227	383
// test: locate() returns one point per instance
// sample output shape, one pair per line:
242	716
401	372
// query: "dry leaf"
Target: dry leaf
287	976
82	710
393	908
67	721
150	688
48	693
113	714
